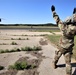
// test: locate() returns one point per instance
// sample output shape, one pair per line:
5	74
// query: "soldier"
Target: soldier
66	42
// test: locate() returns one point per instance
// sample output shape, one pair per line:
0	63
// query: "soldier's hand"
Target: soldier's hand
74	11
52	8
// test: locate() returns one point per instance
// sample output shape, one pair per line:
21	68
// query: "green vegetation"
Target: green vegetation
55	40
27	38
18	39
1	67
32	27
21	66
3	44
12	25
35	48
2	51
14	43
51	30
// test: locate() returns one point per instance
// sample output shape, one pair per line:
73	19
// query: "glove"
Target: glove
74	11
52	8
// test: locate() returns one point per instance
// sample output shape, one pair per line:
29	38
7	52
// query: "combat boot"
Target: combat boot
54	65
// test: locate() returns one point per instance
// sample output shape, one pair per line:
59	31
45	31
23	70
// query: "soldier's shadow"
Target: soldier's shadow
74	72
73	65
63	65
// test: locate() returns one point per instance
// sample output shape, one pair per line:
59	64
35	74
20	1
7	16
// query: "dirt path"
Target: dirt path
46	68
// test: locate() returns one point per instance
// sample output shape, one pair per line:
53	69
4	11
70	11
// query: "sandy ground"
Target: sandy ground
48	50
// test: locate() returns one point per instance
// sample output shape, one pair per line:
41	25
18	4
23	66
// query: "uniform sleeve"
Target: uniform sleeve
58	21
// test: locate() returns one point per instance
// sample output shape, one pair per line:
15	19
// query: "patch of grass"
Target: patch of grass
12	38
10	51
47	30
43	35
54	39
1	67
54	30
19	39
14	43
3	44
35	48
6	51
2	51
27	38
26	49
24	35
21	66
33	66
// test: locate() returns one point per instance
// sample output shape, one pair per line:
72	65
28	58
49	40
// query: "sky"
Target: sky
34	11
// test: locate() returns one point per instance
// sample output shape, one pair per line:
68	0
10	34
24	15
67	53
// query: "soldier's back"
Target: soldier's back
67	38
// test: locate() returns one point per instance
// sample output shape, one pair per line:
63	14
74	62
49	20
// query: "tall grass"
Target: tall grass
54	39
22	65
34	48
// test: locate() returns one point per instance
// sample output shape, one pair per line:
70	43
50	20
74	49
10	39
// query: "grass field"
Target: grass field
33	28
27	26
51	30
55	40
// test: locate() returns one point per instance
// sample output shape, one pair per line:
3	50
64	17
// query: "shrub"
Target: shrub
33	66
19	38
12	50
2	51
1	67
6	51
27	38
28	49
12	38
13	43
36	48
17	50
3	44
22	49
19	66
11	67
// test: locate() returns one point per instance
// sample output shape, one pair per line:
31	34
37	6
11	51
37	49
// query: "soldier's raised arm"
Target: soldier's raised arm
56	17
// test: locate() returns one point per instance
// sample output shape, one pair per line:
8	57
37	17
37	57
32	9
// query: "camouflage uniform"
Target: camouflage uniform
66	42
